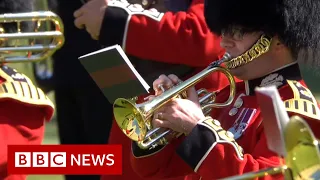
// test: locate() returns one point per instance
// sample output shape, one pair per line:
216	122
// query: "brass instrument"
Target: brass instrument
303	158
135	119
22	46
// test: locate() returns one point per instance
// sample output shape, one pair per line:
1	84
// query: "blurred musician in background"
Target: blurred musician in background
83	113
152	34
264	40
23	106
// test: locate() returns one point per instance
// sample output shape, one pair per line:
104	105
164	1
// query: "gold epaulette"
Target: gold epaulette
24	92
10	75
303	102
19	87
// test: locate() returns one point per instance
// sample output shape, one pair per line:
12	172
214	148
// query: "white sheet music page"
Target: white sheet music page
126	59
274	116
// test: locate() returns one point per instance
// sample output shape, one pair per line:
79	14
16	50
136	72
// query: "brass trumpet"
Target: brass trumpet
303	158
135	119
24	43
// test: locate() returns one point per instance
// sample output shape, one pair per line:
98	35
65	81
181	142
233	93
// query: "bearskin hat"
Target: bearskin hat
295	22
16	6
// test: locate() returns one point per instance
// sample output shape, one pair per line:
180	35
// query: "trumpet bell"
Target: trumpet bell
302	148
129	118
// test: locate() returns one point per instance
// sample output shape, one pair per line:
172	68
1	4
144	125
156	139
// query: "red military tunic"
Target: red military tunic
117	136
177	38
205	153
173	38
23	111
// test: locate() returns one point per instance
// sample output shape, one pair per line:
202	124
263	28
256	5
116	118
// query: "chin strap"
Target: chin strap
259	48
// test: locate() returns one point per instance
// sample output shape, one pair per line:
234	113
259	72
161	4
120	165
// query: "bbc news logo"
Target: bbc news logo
65	159
59	159
40	159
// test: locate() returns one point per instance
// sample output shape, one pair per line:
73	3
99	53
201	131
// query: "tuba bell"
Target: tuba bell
302	161
22	46
135	119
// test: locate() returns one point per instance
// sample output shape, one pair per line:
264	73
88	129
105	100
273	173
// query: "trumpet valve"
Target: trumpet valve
207	97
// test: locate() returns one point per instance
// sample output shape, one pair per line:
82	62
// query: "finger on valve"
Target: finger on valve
175	80
149	98
192	95
161	84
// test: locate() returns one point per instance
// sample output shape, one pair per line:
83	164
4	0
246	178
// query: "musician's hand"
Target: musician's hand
165	82
90	16
180	115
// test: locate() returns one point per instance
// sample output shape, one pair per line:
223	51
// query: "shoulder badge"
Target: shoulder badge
273	79
24	92
19	87
10	74
303	102
132	9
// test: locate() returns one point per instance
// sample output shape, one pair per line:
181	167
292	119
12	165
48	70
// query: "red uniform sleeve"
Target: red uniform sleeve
162	161
210	152
178	38
213	153
21	124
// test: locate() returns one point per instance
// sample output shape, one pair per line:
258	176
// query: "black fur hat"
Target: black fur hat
16	6
295	22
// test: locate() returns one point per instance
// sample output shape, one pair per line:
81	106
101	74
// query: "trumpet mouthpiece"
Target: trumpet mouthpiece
226	57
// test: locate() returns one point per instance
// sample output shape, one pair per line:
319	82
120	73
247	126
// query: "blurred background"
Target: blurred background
51	134
311	74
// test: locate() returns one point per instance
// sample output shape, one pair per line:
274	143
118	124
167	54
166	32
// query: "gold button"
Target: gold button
229	134
238	103
145	2
216	122
233	111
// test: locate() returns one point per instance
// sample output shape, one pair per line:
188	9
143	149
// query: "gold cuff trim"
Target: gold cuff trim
206	118
222	136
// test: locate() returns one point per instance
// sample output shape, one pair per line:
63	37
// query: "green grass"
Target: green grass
46	177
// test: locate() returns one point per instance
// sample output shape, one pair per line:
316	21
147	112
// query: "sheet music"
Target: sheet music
126	59
275	117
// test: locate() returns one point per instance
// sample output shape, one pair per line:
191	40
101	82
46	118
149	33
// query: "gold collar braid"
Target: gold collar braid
259	48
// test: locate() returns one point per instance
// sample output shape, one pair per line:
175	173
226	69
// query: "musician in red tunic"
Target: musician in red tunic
24	108
264	40
156	39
